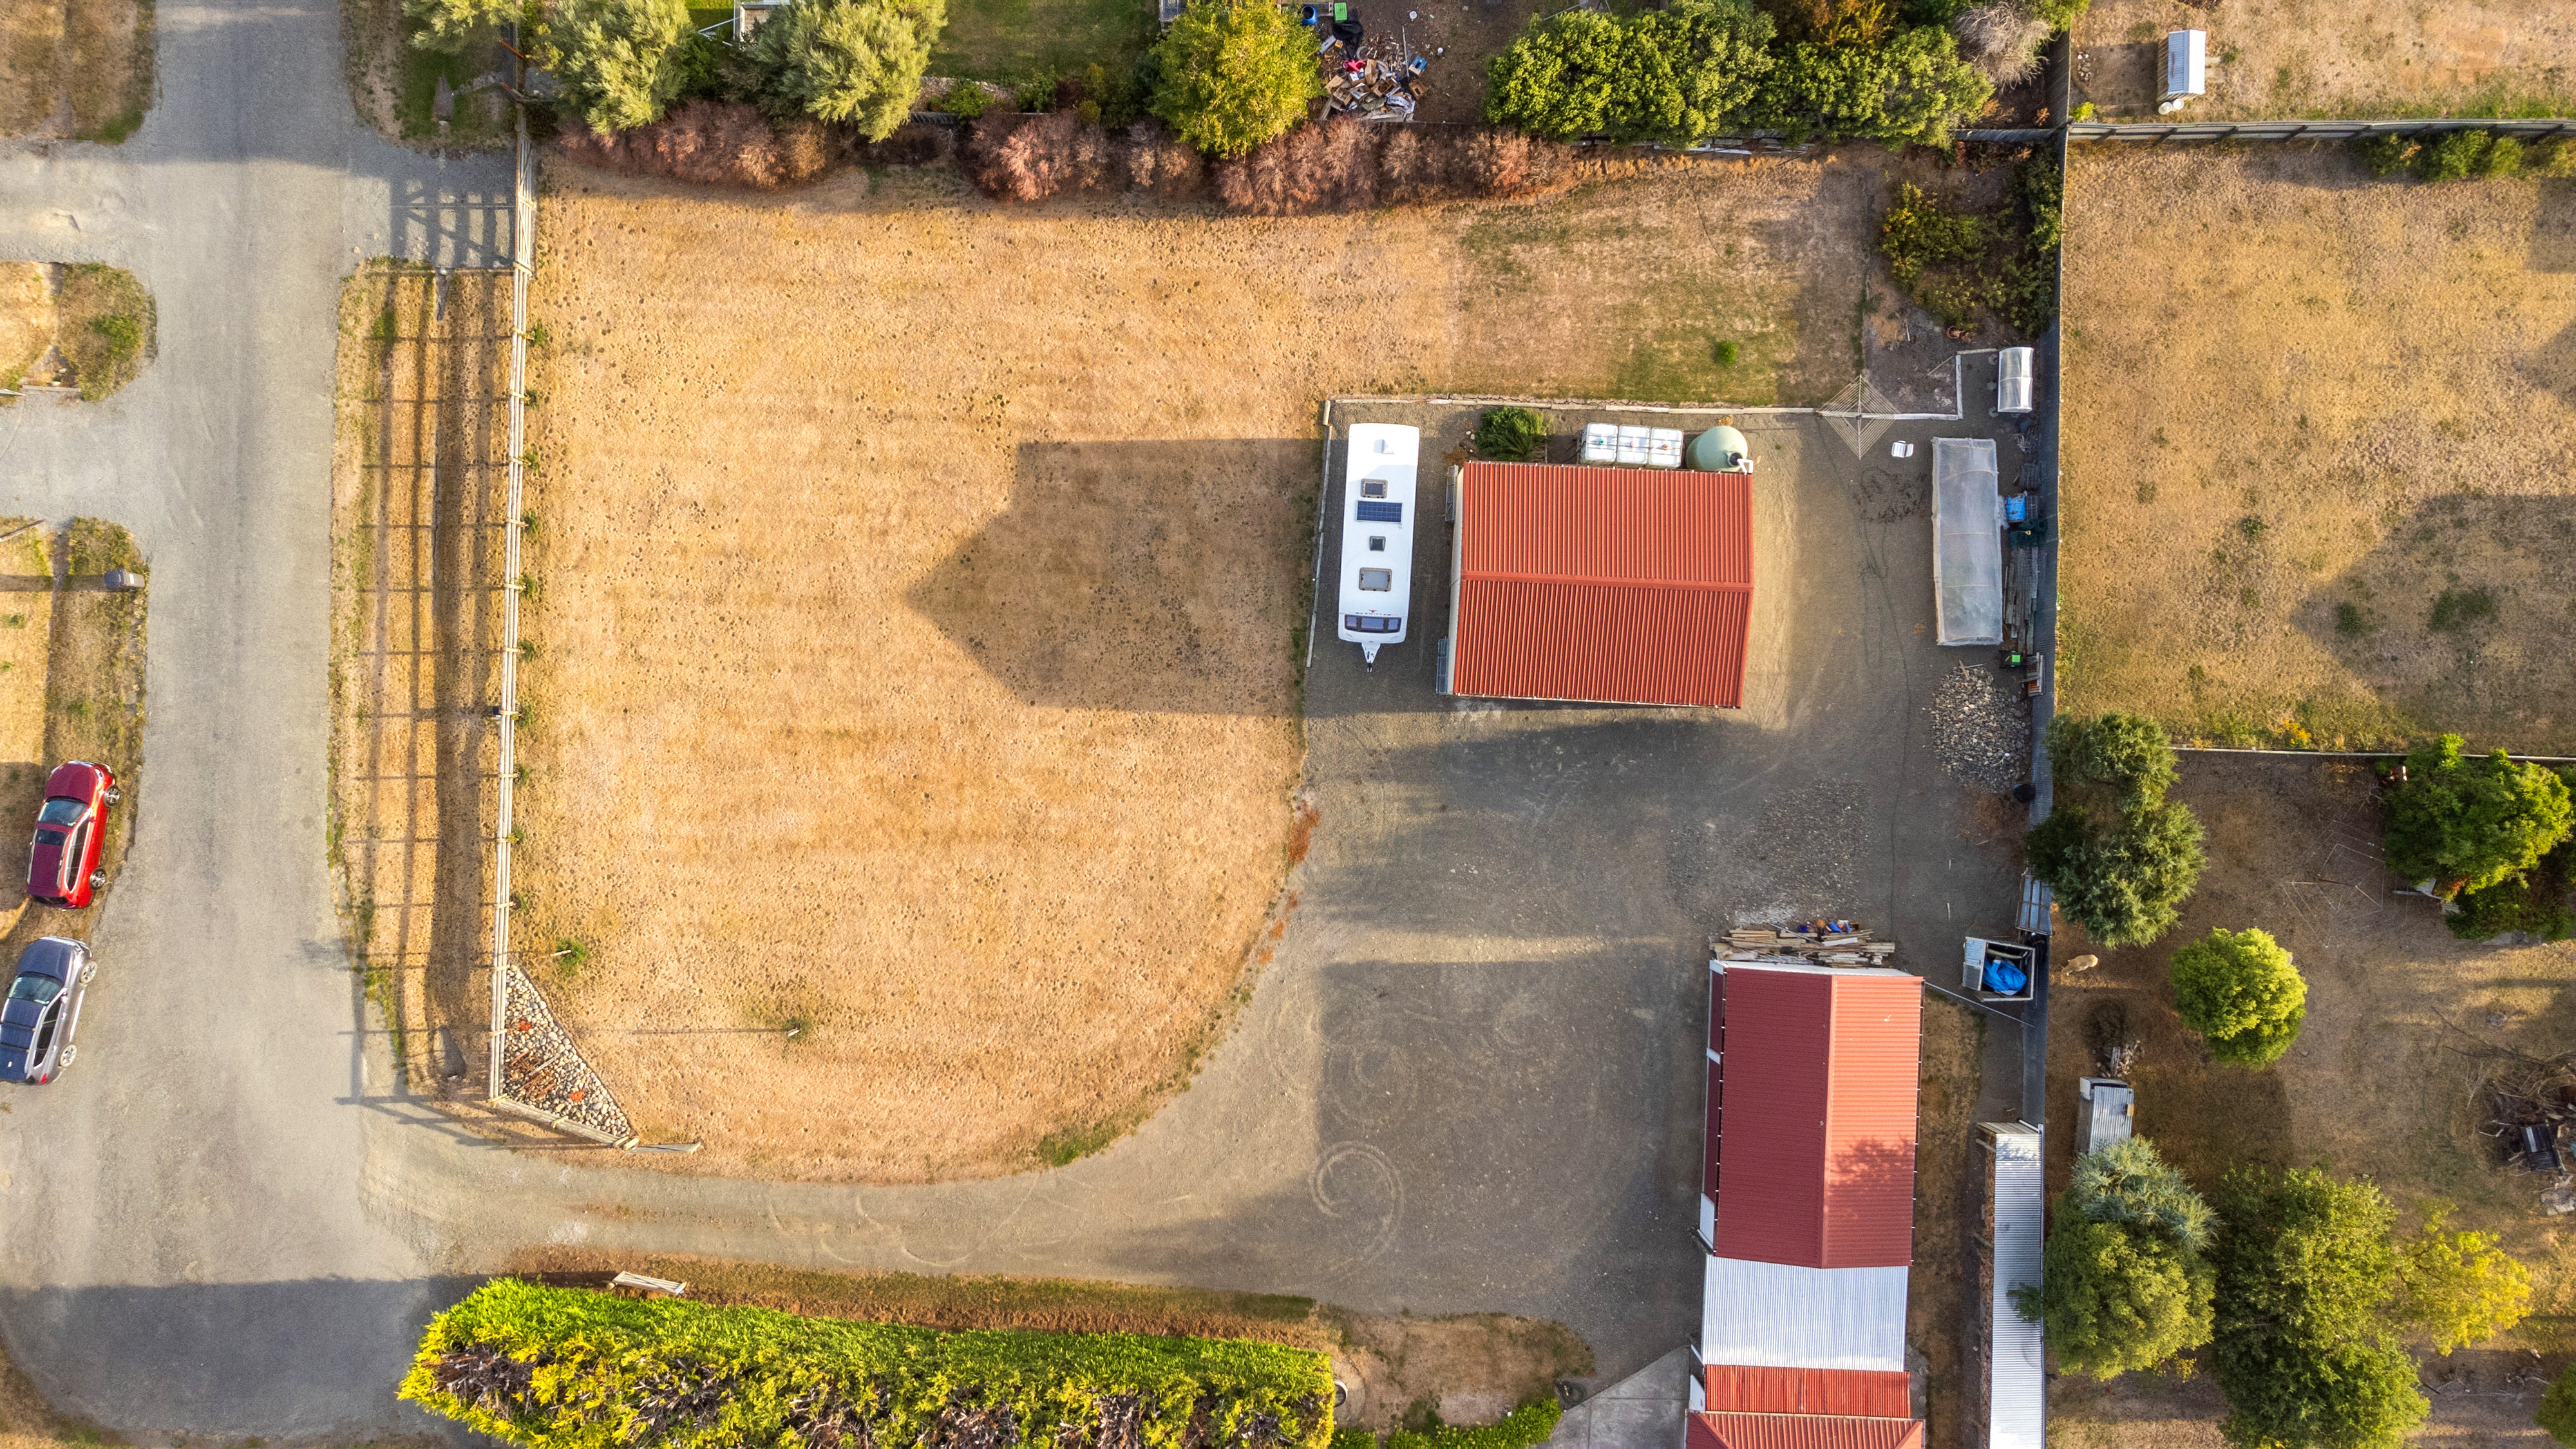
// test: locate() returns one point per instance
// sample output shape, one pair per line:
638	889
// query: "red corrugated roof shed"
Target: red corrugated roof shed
1802	1431
1603	584
1738	1389
1818	1067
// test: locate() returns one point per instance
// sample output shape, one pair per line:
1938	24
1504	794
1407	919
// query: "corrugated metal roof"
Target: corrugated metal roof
2017	1412
1774	1315
1801	1431
1818	1069
1744	1389
1603	584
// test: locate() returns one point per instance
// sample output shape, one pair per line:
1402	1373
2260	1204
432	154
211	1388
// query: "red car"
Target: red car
62	869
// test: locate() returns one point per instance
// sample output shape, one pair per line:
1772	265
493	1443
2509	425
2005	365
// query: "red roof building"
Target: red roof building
1808	1208
1602	585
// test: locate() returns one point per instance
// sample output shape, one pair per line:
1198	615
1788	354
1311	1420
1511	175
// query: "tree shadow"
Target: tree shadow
1163	577
2461	616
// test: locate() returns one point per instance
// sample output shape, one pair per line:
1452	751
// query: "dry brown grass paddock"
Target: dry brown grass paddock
2293	391
918	587
2373	59
76	68
2403	1022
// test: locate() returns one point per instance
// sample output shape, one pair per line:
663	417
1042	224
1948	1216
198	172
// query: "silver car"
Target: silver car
43	1010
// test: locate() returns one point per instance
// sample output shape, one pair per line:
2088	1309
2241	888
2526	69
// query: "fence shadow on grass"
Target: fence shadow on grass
2456	619
1162	577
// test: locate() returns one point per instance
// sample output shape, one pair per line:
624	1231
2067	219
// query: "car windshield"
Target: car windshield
52	837
59	811
35	988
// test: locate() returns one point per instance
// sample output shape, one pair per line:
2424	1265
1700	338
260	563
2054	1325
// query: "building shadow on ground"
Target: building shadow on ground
1163	577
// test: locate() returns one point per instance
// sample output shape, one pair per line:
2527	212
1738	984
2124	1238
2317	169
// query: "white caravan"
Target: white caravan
1377	536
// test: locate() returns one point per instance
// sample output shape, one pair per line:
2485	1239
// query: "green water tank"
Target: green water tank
1721	450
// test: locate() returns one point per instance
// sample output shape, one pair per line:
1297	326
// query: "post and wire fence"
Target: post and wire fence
523	217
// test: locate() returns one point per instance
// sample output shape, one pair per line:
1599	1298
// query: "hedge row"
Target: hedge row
1527	1425
562	1368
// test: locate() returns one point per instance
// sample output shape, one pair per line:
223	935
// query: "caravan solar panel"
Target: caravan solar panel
1377	511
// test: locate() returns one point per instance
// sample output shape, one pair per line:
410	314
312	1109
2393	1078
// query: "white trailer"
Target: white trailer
1377	536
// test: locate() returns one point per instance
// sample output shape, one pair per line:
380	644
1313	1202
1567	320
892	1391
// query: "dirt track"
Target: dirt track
926	579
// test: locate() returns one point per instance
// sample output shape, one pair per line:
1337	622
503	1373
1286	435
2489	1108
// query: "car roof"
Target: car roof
52	955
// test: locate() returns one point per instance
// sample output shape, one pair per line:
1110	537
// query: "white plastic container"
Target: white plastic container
1663	447
1632	445
1600	444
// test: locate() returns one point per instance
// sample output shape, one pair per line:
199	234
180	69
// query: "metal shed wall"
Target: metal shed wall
1743	1389
1602	584
1800	1431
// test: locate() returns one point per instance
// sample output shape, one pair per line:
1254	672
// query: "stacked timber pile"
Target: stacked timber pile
1824	943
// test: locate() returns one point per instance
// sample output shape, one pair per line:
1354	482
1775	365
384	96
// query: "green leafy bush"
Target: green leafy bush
2505	156
1035	92
1232	74
2468	824
2457	609
2126	1284
1115	94
1673	76
2557	1412
454	25
1510	435
2532	904
617	60
1729	353
2060	14
1913	90
2455	157
1529	1424
2242	993
966	100
1919	231
855	61
2458	1287
2555	159
2127	753
2123	879
560	1368
2384	154
2304	1349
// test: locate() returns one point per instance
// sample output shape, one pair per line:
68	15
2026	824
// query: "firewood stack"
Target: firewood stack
1822	943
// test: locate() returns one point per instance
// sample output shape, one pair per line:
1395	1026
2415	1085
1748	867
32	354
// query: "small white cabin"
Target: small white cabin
1377	536
2185	68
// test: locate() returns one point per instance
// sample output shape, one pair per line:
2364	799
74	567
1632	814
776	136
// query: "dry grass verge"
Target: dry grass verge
918	599
2337	58
1938	1287
75	68
84	324
417	96
1471	1368
416	498
2302	408
2402	1023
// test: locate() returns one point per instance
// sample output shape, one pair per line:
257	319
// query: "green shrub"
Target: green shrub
122	334
2060	14
2125	1284
2127	753
2384	154
2554	158
617	60
1673	76
1354	1438
456	25
966	100
2348	619
1231	74
2457	609
2468	824
1529	1424
854	61
2458	1287
2533	904
2241	991
1510	435
2505	156
1919	232
2304	1348
1035	91
2455	157
1728	354
1912	90
2125	879
2558	1407
1116	93
561	1368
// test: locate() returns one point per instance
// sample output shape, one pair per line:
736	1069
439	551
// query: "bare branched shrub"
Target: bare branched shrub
1162	163
708	143
1350	165
1030	158
2002	39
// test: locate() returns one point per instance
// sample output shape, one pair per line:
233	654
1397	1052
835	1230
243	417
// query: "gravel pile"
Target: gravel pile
1980	729
541	1068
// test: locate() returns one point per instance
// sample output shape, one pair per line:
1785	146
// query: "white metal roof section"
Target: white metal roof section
1776	1315
1967	542
2017	1411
